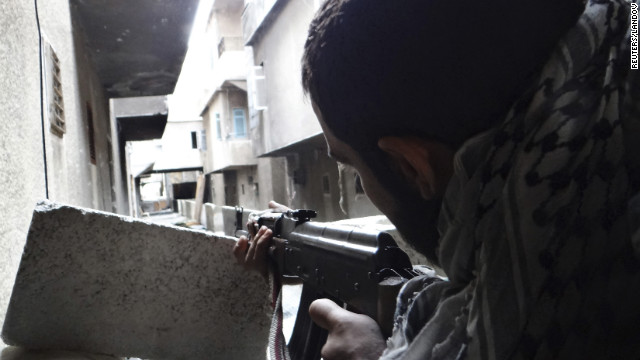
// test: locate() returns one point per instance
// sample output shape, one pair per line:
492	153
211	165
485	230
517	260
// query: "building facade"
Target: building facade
263	141
234	174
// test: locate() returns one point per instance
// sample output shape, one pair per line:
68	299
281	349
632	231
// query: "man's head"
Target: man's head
430	72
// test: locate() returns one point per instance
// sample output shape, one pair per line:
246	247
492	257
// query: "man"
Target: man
509	127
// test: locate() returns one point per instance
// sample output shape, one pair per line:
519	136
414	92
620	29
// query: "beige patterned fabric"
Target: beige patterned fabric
541	224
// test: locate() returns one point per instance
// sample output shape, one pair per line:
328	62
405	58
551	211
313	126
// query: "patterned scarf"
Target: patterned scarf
541	223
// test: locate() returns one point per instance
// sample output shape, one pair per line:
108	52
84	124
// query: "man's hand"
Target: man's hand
351	336
252	253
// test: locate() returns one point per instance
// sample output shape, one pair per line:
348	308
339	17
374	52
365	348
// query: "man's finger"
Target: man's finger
240	249
250	254
251	228
326	314
278	207
262	244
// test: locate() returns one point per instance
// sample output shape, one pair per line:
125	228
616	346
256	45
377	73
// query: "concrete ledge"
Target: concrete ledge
102	283
186	208
229	219
213	215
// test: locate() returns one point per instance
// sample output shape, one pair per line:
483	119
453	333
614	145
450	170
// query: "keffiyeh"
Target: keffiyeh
541	222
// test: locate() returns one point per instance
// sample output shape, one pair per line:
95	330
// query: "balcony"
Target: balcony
231	154
256	15
230	43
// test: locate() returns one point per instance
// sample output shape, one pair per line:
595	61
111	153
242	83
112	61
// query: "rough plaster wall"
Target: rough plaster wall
356	205
219	105
314	164
97	282
68	157
246	193
217	181
237	99
229	20
211	136
122	201
227	100
91	92
21	162
280	48
71	177
227	151
208	123
272	179
140	105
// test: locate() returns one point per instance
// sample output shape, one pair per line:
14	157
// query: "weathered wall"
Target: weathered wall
228	18
245	188
223	103
72	178
216	188
280	48
272	177
269	183
140	106
224	149
353	202
90	95
21	156
306	189
98	282
289	119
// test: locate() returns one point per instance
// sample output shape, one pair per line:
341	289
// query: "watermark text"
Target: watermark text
634	35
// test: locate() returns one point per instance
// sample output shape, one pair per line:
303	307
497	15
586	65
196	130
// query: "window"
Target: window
358	185
218	126
92	135
199	140
326	187
53	80
239	123
194	139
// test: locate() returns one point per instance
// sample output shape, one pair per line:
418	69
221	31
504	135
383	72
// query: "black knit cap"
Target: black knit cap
439	69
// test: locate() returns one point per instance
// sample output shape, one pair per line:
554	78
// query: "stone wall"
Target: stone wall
102	283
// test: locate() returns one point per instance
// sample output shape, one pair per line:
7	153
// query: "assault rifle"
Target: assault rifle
360	269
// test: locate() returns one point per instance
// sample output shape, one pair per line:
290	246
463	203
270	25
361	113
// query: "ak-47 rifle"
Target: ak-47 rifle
362	269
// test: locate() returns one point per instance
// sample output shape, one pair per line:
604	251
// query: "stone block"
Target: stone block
190	211
209	211
180	207
102	283
218	220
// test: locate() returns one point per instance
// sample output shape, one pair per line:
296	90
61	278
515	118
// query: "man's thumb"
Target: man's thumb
326	313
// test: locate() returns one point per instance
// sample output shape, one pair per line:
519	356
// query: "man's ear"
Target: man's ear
426	164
